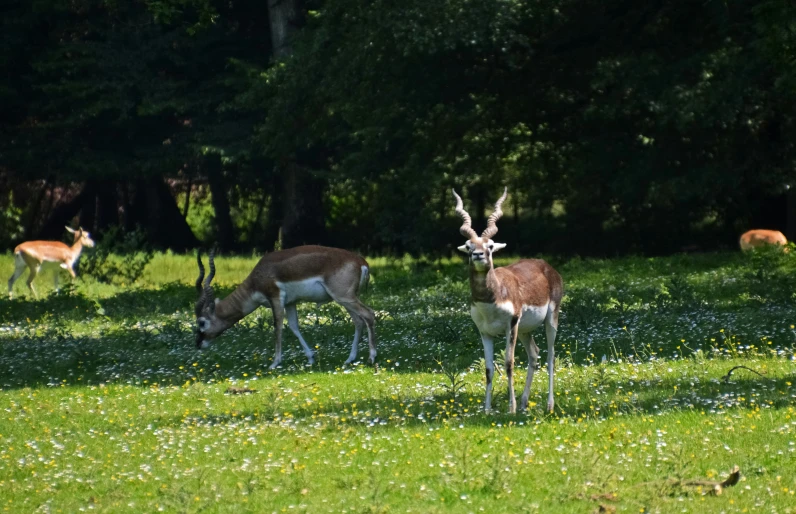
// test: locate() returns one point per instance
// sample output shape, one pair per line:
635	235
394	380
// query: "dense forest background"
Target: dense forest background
618	126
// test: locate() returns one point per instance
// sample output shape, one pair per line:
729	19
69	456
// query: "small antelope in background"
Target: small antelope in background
279	281
35	254
760	237
511	301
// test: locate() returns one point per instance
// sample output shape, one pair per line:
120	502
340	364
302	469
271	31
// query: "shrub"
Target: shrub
119	257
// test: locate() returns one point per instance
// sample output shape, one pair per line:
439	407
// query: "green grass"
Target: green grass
106	405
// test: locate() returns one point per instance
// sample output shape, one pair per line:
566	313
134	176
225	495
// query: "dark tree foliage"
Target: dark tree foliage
618	126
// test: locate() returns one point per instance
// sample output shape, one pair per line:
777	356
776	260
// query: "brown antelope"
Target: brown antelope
281	280
34	254
511	301
759	237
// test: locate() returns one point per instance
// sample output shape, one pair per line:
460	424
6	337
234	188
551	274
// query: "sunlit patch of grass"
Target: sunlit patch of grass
106	405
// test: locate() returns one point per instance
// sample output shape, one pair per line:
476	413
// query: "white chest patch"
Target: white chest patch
307	290
495	319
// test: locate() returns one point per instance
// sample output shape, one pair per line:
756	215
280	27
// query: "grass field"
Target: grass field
105	404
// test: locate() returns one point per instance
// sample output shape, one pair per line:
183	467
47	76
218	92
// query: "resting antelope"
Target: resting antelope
281	280
511	301
759	237
34	254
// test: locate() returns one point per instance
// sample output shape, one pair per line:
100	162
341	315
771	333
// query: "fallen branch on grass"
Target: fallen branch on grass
605	509
611	497
714	487
240	390
726	377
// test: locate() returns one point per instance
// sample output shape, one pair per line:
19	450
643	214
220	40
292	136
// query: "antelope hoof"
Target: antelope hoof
275	365
550	405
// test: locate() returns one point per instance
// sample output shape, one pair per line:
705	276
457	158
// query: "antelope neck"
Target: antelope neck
483	285
230	309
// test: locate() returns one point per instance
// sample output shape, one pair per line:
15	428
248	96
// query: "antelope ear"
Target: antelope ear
463	248
70	230
498	246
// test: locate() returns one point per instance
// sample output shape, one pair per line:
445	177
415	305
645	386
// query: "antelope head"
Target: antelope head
208	325
82	236
480	249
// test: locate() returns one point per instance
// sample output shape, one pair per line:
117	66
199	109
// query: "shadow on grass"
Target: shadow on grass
384	411
163	351
127	304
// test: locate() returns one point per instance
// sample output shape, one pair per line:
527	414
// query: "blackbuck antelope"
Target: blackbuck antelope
760	237
511	301
281	280
35	254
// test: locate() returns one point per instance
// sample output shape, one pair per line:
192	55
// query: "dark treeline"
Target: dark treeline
618	125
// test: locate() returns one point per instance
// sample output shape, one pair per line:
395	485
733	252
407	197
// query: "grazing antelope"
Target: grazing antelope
281	280
759	237
34	254
511	301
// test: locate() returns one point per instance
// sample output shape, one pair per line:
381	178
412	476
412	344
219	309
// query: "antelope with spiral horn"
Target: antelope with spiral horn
279	281
510	301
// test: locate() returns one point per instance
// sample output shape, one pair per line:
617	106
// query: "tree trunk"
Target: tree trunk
107	205
225	229
284	16
53	228
302	198
187	204
88	210
36	208
302	193
127	218
479	207
791	215
155	209
255	226
273	223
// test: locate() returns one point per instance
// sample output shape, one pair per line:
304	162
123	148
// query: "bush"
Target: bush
765	263
119	257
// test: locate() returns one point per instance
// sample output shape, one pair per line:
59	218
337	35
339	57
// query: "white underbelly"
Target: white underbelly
51	264
307	290
533	316
495	319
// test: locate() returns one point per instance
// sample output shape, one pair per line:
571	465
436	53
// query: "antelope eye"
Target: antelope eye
491	246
